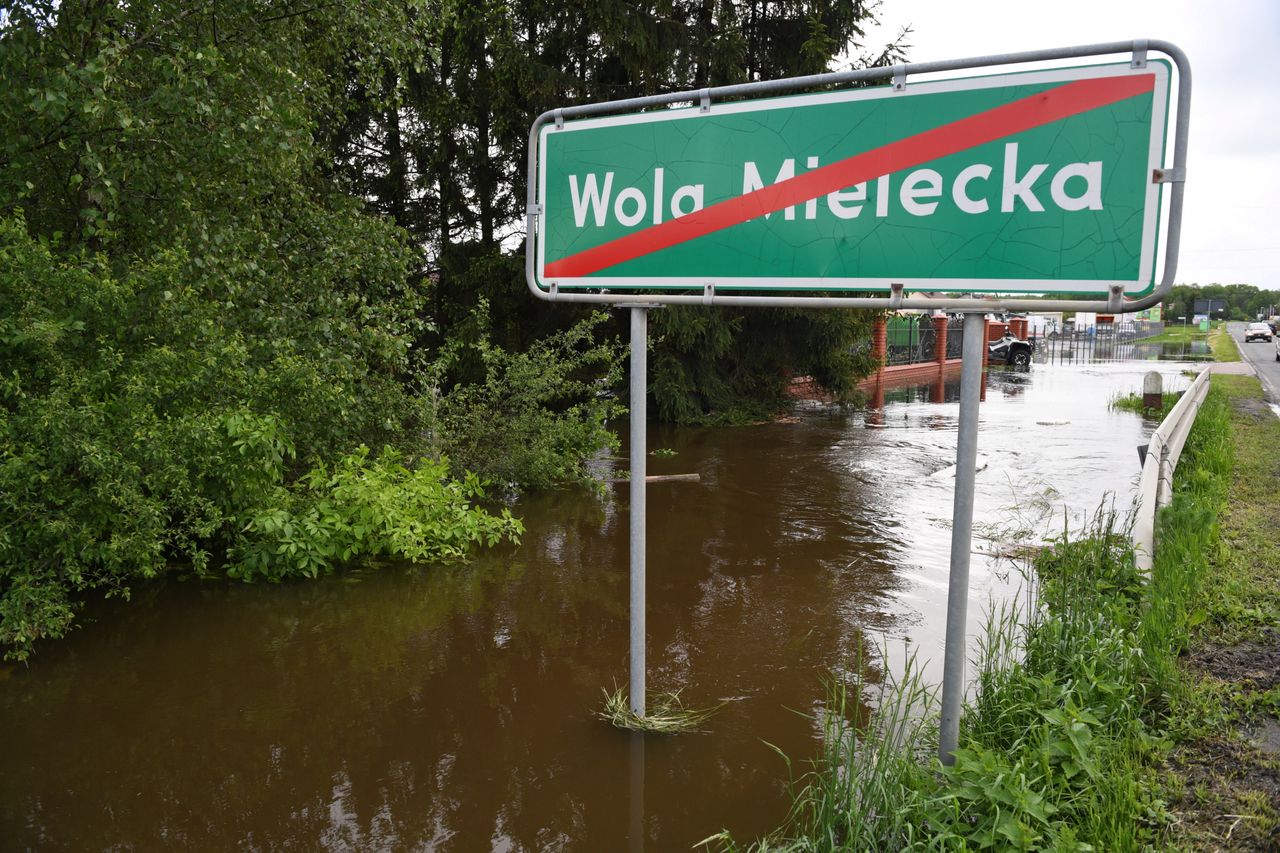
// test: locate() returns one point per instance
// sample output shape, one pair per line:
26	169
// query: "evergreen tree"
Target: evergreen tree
447	161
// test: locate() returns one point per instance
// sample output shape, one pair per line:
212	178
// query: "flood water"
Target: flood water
451	708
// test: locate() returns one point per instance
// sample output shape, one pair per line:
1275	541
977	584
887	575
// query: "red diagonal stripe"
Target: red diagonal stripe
1033	111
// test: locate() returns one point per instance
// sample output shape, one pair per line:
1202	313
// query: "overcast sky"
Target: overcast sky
1231	222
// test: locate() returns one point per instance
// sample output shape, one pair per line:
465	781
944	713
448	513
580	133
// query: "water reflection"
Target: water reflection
1104	348
450	708
636	791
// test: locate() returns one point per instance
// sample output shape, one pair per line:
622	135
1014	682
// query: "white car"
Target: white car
1277	349
1257	332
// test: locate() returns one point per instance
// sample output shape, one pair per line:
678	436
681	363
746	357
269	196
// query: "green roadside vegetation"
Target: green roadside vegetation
1177	335
1223	774
1222	344
1133	403
1097	721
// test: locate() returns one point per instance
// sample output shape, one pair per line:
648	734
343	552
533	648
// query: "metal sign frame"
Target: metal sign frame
972	307
728	245
899	75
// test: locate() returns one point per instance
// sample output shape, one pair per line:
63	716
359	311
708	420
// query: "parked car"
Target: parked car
1012	351
1277	349
1257	332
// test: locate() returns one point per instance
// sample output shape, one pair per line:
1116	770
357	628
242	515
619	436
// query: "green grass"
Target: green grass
1245	595
1177	335
1076	696
1216	779
1133	403
868	786
1222	344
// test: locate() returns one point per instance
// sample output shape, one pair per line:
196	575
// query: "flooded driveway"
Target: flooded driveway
452	708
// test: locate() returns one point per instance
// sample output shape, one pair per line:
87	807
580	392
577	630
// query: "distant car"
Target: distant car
1257	332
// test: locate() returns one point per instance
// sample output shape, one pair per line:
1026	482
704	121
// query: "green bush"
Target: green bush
534	417
164	414
203	327
368	508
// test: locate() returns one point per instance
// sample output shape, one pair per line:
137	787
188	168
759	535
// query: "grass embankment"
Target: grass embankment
1222	344
1176	335
1224	777
1084	720
1220	341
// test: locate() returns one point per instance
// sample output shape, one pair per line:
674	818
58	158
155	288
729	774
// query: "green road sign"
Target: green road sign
1031	182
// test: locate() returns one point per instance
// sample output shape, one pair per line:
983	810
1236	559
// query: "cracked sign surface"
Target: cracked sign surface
1035	182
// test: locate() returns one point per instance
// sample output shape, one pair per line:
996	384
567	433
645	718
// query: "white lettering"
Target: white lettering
960	190
1091	198
882	196
811	206
657	196
922	183
751	181
837	201
1074	187
590	196
629	219
688	191
1015	187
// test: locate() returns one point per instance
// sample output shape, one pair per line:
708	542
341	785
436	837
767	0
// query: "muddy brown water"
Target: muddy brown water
451	708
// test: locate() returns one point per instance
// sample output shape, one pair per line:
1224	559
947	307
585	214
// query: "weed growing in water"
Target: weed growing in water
1133	403
867	787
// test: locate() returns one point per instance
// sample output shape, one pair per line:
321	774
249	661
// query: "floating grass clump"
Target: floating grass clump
664	714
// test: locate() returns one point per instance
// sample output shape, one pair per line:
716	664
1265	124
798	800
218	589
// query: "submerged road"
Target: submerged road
1262	358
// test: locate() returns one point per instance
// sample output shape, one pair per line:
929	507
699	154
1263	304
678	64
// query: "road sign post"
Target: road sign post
1045	181
955	648
639	418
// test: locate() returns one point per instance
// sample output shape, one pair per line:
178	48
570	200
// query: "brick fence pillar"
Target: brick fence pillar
880	339
940	338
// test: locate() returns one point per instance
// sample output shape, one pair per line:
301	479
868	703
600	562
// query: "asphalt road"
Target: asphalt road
1262	358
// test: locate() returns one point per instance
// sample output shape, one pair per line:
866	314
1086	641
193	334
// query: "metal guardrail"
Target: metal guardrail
1155	486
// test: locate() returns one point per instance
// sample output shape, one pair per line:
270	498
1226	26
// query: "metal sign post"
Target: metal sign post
953	681
639	416
1050	180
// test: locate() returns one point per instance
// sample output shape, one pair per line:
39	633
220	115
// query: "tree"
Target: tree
202	336
1242	301
450	163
